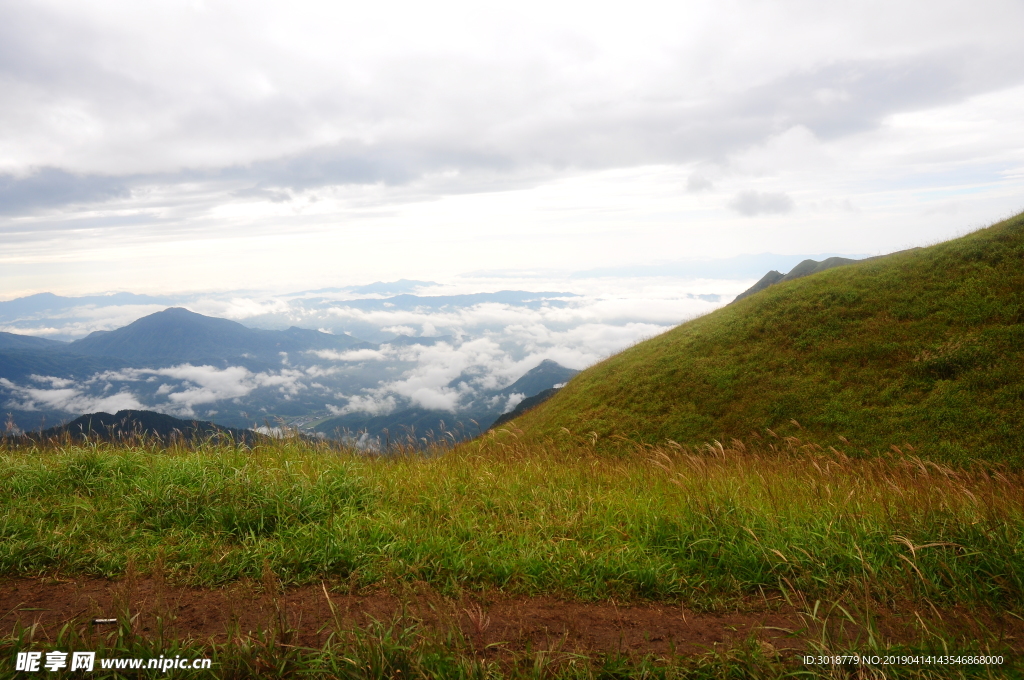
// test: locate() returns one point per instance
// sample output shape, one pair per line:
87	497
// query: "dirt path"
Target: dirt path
511	623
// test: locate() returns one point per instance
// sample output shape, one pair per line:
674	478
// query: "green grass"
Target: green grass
713	528
923	346
708	528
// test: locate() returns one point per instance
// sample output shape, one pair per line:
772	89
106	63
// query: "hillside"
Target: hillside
921	346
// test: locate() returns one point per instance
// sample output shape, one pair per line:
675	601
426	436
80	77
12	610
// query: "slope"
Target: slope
922	346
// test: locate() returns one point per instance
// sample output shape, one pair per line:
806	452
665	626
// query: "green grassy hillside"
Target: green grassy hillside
921	347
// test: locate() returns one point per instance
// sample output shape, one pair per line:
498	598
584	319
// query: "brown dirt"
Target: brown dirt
490	622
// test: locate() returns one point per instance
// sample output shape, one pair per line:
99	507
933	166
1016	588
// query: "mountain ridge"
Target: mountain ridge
142	423
19	341
805	268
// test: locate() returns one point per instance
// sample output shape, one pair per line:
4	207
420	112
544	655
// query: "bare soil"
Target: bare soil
491	622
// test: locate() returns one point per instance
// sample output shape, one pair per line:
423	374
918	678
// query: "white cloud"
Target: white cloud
525	136
205	384
399	330
513	400
68	399
54	382
365	404
751	203
696	183
316	371
351	355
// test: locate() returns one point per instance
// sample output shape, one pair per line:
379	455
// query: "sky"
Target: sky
175	147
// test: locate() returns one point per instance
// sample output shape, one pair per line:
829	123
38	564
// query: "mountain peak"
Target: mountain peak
805	268
177	334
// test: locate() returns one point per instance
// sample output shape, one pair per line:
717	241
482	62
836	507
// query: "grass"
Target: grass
708	527
718	528
923	346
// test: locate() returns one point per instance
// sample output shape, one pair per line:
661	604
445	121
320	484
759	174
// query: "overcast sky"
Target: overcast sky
181	146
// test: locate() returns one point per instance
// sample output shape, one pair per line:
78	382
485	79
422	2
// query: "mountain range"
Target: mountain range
184	364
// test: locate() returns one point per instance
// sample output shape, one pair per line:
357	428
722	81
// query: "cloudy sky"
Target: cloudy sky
186	146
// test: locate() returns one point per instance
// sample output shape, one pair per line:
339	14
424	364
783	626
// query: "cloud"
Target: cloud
753	203
258	108
351	355
368	404
450	376
491	345
53	382
68	399
513	400
47	188
206	384
696	183
400	330
483	135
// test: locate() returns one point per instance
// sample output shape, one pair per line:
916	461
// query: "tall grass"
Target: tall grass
707	527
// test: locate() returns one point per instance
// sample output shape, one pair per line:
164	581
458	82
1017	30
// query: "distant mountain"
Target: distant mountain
805	268
15	341
127	424
545	376
375	288
48	302
178	335
390	287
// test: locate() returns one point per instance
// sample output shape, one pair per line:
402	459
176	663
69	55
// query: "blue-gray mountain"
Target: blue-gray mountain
178	335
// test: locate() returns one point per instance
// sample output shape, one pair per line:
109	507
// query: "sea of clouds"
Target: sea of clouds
477	344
